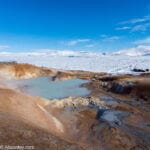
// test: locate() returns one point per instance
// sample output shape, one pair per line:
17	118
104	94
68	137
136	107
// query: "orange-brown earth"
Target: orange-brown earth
116	115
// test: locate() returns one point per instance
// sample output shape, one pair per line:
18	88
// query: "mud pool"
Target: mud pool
45	87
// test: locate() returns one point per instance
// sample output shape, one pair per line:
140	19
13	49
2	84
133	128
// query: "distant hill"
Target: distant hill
135	51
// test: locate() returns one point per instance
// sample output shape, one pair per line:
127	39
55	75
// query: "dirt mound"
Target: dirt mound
23	117
25	71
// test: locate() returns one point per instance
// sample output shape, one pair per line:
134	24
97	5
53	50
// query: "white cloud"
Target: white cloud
77	41
136	20
110	38
103	36
123	28
90	45
135	24
141	27
2	47
143	41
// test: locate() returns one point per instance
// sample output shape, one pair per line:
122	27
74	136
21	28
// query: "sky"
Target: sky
95	25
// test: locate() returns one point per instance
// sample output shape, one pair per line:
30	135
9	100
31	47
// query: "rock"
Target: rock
62	76
121	88
140	70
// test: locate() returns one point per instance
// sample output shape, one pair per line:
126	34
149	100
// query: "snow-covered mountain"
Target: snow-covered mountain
135	51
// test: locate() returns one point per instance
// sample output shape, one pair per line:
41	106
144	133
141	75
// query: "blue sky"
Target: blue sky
97	25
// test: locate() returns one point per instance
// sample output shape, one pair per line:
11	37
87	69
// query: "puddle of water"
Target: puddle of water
112	116
109	100
45	87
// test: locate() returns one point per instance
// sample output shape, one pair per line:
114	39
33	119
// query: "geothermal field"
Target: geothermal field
43	108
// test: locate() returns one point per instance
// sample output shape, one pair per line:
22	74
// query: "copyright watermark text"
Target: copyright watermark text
16	147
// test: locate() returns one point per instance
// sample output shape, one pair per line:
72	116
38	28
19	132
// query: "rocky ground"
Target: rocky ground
114	116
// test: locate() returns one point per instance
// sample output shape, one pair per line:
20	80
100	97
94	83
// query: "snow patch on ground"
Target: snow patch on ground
118	62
